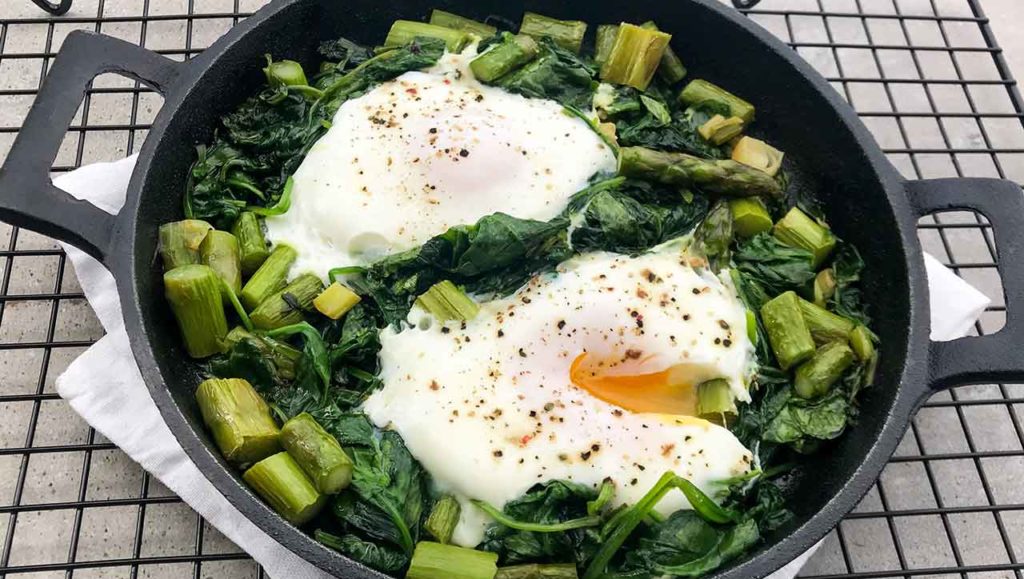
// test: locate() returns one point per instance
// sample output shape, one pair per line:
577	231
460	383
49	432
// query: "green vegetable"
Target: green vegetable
456	22
318	453
284	73
437	561
381	557
749	216
846	300
219	251
825	326
670	69
556	73
288	305
757	154
194	292
714	235
502	519
536	571
635	56
180	241
774	266
862	342
606	34
284	357
687	546
443	518
797	229
568	34
269	278
445	301
824	286
605	493
714	398
678	133
805	424
723	177
787	331
239	420
720	130
512	53
252	247
336	301
280	481
698	91
405	31
814	377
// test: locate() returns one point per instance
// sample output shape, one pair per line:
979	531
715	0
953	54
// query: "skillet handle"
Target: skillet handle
28	197
997	357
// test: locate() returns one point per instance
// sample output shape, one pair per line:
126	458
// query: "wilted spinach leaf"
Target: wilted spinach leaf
776	267
555	74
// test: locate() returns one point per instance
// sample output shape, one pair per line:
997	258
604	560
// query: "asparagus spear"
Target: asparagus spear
252	247
606	34
824	286
825	326
443	518
719	130
698	91
336	301
445	301
749	216
318	453
280	481
538	571
180	241
758	154
286	306
239	420
456	22
862	342
797	229
714	398
787	331
269	278
219	250
635	56
670	69
285	358
722	177
194	292
814	377
566	33
405	31
436	561
512	53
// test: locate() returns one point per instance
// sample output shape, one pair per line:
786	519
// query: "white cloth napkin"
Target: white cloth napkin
105	387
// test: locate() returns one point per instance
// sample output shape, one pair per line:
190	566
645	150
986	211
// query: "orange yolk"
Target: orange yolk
665	392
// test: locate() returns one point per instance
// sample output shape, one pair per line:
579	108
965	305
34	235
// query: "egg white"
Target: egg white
427	151
488	407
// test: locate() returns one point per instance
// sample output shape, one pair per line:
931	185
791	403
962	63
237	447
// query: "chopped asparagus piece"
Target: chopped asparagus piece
180	241
286	306
758	154
194	292
863	343
824	286
219	250
336	301
787	331
797	229
239	420
606	34
714	398
284	357
670	69
749	216
814	377
281	482
698	91
752	327
436	561
635	56
566	33
284	73
538	571
825	326
719	130
512	53
252	247
456	22
443	518
720	177
405	31
318	453
269	278
445	301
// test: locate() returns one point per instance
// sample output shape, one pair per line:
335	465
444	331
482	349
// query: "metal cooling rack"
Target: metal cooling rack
926	76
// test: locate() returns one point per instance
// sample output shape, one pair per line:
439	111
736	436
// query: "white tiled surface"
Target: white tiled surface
977	458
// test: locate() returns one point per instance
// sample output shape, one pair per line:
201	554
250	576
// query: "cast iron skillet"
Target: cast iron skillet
868	203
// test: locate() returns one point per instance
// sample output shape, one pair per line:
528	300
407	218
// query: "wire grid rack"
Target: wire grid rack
927	78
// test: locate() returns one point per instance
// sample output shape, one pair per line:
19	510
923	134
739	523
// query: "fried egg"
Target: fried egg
427	151
586	373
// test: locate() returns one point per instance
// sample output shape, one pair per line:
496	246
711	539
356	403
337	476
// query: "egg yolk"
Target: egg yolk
669	391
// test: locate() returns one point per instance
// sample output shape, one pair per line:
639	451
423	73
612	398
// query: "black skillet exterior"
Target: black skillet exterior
867	202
